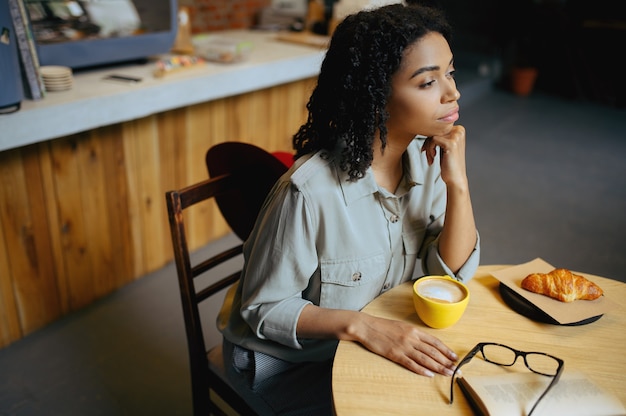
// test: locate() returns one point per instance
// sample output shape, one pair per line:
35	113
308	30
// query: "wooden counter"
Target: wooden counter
83	173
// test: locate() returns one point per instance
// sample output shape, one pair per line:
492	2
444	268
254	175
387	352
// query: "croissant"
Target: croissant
563	285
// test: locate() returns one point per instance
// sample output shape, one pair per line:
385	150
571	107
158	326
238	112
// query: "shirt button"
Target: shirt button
386	286
356	276
394	218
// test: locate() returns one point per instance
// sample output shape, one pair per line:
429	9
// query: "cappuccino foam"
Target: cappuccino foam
441	291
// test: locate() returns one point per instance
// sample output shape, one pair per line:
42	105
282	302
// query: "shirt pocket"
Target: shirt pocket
351	283
414	238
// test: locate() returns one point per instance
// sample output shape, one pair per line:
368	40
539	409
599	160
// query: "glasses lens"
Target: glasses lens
499	354
543	364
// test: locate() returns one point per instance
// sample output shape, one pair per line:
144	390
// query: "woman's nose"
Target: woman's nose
452	94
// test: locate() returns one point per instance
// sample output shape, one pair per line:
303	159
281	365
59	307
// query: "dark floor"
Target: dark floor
548	180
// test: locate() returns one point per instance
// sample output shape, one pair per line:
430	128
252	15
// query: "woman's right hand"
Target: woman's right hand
397	341
406	345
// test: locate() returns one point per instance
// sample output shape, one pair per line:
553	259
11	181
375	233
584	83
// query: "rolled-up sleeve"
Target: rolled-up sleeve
278	267
433	264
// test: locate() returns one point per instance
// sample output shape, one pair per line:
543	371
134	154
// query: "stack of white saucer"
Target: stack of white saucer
57	78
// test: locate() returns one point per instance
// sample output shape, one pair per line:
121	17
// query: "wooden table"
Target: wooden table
367	384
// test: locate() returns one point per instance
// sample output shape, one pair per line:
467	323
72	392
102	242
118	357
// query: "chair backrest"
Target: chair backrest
241	177
259	169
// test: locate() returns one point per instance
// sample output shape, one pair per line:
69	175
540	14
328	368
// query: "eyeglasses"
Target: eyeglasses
537	362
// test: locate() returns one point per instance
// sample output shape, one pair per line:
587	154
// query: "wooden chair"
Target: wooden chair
241	176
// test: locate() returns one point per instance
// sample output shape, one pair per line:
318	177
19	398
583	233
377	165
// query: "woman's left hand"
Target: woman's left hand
452	147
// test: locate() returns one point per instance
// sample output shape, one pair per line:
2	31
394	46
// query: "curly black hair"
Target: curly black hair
348	105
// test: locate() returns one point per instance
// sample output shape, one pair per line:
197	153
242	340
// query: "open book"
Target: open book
514	394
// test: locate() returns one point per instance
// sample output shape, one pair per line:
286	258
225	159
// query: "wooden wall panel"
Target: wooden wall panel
94	195
172	130
31	297
84	215
144	175
117	205
10	328
75	241
43	294
10	325
54	226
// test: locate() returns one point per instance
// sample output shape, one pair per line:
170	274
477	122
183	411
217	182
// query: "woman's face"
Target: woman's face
424	96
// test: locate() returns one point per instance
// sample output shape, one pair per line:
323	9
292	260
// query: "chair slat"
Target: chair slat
216	260
217	286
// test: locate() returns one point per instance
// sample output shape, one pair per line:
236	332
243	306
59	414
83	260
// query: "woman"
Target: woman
379	182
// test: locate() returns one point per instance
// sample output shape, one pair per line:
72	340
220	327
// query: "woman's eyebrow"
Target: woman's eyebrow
428	69
425	69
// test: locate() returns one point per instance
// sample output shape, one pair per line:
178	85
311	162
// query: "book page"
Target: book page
514	394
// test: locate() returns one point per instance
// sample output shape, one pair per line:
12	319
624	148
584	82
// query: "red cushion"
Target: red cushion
285	157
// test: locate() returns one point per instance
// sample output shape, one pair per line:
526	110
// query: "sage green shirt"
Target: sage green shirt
322	239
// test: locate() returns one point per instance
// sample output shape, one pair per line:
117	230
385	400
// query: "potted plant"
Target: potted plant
522	48
524	70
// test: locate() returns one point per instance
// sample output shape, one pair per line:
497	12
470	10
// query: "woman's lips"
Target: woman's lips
451	117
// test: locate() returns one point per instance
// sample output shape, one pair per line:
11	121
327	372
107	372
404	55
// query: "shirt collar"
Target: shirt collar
414	164
355	190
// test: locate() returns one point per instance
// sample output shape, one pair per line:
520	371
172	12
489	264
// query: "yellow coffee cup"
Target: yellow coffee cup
440	301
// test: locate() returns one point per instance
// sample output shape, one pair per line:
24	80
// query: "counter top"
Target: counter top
94	102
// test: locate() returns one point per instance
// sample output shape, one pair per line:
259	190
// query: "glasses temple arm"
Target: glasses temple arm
464	361
552	383
468	357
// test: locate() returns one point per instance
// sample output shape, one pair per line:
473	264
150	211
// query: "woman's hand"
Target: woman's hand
406	345
452	147
397	341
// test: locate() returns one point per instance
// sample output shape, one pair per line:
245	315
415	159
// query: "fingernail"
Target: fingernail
428	373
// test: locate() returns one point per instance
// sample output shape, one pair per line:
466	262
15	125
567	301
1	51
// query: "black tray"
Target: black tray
522	306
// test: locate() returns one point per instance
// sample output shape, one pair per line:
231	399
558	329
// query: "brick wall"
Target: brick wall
212	15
